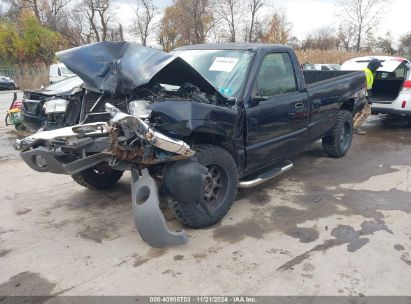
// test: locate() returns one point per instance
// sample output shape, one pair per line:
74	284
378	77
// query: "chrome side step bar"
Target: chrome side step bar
284	167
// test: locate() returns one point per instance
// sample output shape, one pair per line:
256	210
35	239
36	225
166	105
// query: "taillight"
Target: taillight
407	85
399	59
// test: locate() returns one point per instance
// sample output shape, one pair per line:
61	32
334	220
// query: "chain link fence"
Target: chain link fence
28	76
8	72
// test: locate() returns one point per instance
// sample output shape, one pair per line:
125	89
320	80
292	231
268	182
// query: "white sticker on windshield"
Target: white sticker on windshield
223	64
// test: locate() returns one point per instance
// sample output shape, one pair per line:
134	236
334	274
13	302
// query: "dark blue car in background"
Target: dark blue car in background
6	83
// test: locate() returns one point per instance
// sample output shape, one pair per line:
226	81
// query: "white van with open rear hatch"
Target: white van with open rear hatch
59	71
391	92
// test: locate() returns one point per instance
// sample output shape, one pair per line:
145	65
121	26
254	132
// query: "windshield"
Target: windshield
224	69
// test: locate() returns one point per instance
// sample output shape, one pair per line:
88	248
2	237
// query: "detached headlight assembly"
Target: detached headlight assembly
55	106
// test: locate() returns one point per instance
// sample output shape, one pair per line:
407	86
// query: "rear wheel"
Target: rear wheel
219	192
99	177
338	142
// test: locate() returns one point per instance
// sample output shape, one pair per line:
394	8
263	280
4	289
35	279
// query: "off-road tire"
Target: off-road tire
338	141
92	179
194	215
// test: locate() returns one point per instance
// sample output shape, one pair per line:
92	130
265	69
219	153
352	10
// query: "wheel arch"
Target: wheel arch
348	105
214	139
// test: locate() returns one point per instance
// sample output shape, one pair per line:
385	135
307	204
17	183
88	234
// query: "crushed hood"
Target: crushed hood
120	67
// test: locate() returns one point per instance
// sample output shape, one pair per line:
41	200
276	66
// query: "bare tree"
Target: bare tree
53	13
12	10
102	7
294	43
385	44
116	34
81	26
362	15
145	13
405	44
33	6
254	6
92	19
322	39
345	35
228	11
199	18
49	13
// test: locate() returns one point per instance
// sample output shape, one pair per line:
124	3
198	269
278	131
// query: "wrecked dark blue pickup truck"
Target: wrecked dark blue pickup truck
195	124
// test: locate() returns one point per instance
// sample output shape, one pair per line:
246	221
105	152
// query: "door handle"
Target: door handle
299	107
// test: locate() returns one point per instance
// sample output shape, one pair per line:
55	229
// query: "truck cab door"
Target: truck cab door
277	118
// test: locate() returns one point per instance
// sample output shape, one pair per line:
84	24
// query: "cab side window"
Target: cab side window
276	76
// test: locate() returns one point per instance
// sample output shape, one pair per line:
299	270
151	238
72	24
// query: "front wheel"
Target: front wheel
219	191
99	177
20	127
338	142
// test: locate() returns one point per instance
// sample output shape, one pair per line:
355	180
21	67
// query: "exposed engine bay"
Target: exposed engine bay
132	139
149	94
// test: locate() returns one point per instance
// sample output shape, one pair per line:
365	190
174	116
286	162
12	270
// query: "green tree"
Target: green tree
10	43
39	42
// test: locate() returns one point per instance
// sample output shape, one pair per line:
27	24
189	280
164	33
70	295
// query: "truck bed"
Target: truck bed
335	86
313	76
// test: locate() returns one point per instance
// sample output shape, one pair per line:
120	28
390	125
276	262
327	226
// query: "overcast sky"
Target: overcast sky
309	15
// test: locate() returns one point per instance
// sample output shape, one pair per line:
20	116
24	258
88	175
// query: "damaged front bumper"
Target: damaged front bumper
74	149
132	139
126	143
